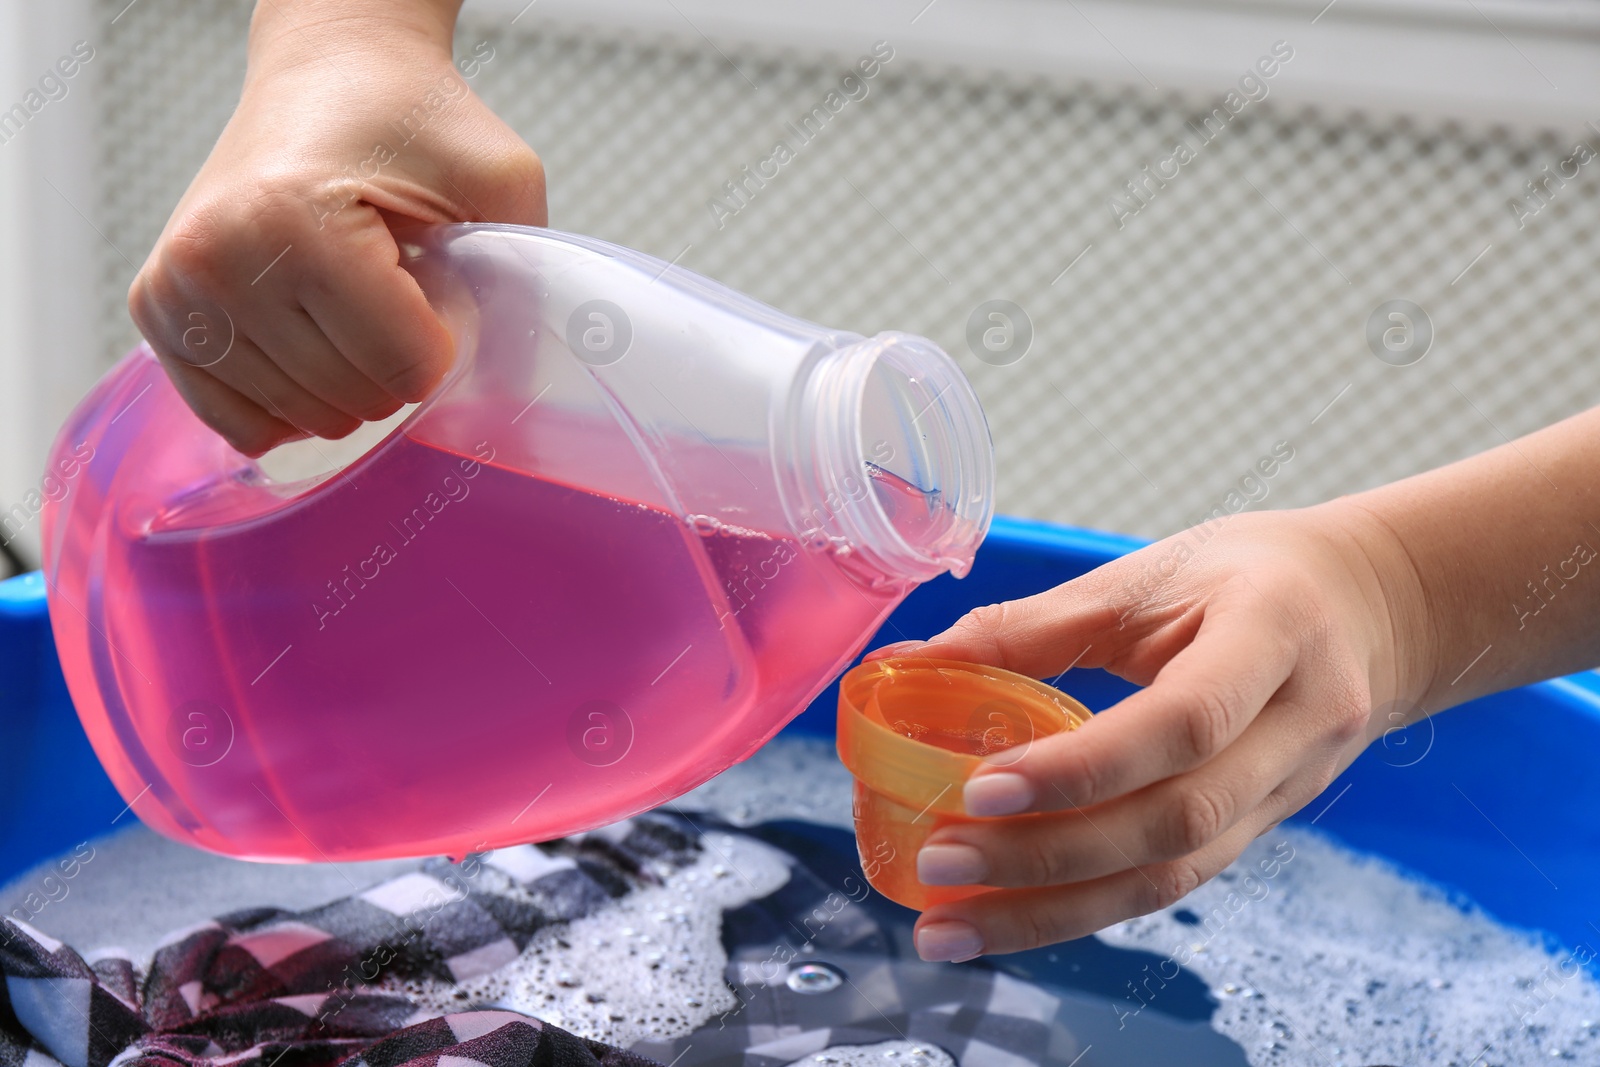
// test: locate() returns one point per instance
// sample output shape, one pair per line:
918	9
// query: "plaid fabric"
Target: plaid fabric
1054	1006
823	915
981	1017
267	987
270	988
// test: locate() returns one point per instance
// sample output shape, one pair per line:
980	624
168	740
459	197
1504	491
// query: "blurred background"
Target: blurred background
1379	257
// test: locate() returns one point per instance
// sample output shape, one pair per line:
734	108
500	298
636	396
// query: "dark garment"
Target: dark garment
1055	1006
266	987
822	962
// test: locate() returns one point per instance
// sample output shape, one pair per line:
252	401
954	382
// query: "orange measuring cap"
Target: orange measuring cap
912	731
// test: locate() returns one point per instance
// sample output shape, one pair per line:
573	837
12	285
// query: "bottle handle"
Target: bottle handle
144	445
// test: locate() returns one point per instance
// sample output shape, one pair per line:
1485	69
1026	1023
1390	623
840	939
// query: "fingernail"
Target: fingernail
990	795
951	865
899	648
950	941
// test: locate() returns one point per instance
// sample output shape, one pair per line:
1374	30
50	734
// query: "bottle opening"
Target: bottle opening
904	469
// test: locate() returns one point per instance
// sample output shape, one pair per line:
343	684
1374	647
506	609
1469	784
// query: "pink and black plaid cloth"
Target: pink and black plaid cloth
818	964
271	988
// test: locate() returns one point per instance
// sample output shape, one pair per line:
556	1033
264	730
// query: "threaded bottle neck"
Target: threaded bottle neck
891	458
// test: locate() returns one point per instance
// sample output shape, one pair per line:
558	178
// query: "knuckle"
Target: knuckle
1347	728
1037	925
1195	822
1280	804
522	163
252	439
1349	720
409	380
986	625
194	249
1207	723
142	303
1043	862
988	620
381	408
338	426
217	240
157	299
1170	883
517	175
280	207
1088	780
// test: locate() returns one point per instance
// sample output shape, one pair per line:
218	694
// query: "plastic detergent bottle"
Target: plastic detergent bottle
642	523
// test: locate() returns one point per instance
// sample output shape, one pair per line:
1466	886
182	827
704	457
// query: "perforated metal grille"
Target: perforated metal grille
1225	316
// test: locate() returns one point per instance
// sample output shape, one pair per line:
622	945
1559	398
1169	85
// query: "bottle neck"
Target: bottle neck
891	460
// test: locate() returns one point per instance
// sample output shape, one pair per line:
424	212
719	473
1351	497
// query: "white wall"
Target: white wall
47	244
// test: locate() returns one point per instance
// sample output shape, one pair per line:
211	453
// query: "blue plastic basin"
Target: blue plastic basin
1498	800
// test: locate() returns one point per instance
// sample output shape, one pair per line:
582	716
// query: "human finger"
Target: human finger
1013	920
1199	702
374	313
237	419
294	342
1166	821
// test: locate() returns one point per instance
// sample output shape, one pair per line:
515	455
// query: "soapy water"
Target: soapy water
1337	959
1340	959
648	967
790	778
883	1054
1346	961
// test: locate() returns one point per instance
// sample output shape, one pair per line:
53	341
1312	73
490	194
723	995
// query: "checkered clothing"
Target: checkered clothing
270	988
981	1017
262	985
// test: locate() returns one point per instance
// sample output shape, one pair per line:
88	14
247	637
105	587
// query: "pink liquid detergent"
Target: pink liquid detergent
565	695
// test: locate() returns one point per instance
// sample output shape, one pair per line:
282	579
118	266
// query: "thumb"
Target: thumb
1072	625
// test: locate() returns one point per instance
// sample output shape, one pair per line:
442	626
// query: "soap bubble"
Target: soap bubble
874	1055
568	977
814	978
1370	965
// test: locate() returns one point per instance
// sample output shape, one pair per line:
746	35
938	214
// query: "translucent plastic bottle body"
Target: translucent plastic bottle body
536	608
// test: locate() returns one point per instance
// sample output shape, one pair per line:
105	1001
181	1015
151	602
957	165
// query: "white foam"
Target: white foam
1344	956
792	778
883	1054
1345	961
648	967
